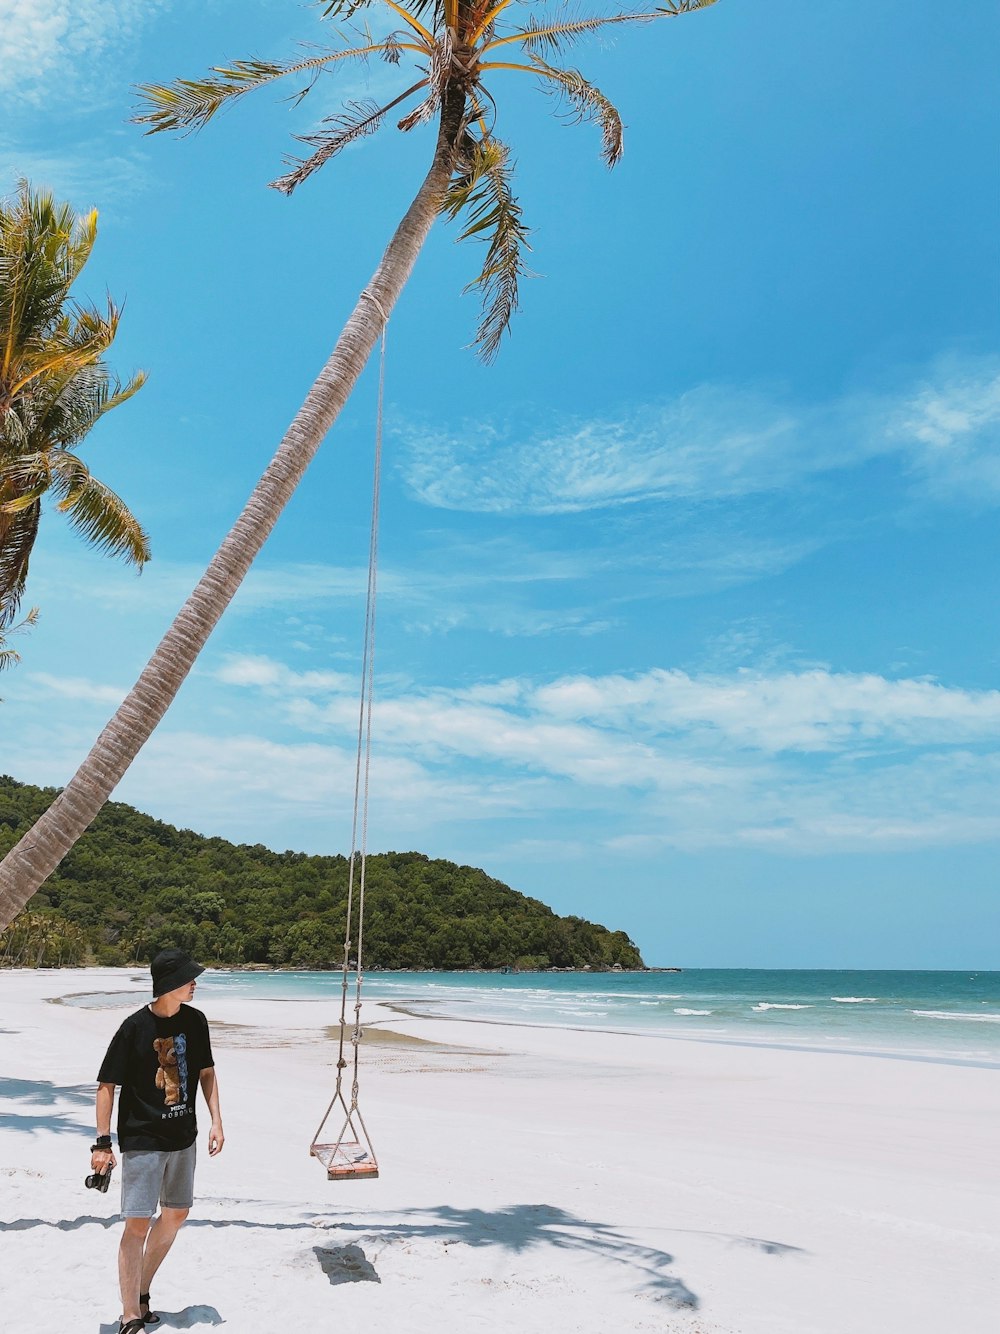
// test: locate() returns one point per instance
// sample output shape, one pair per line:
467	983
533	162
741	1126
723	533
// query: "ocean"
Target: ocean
939	1016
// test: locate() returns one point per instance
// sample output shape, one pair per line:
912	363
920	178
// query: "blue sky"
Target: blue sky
688	617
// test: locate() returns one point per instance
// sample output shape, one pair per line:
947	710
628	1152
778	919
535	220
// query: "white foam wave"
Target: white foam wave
768	1005
678	1010
957	1014
855	1000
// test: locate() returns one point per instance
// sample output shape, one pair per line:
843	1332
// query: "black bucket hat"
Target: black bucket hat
172	969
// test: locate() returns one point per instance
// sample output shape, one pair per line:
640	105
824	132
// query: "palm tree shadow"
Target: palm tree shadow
517	1229
523	1227
43	1093
29	1124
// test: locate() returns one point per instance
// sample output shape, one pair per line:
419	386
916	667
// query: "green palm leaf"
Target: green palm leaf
481	190
98	514
17	538
674	8
188	104
9	656
536	36
54	387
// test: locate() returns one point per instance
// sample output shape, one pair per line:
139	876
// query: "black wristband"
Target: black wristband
103	1144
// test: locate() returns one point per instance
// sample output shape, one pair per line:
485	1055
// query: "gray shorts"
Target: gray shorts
151	1177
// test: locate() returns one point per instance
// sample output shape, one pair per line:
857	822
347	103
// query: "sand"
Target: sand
548	1181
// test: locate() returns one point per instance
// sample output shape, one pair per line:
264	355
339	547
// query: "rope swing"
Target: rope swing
351	1156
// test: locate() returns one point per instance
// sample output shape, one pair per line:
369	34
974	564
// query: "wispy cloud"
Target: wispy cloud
802	761
950	426
811	761
718	443
52	47
106	176
76	688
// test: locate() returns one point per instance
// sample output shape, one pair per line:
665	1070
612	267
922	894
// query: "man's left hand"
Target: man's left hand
216	1139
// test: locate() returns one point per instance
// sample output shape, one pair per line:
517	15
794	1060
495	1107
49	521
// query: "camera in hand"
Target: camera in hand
98	1181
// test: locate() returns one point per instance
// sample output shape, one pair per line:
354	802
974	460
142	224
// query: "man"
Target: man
157	1058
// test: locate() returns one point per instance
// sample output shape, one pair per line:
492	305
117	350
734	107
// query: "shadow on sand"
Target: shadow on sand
516	1229
44	1092
189	1318
41	1092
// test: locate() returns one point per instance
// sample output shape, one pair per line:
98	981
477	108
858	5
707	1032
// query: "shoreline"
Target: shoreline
546	1178
903	1024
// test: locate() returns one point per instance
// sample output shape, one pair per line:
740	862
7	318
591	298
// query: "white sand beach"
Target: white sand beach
535	1179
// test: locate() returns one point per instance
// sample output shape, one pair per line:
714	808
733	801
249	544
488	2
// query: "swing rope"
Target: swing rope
357	867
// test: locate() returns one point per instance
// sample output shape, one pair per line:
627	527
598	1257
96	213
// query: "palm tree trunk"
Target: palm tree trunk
43	847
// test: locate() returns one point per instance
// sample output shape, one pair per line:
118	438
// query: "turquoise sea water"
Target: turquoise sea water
951	1016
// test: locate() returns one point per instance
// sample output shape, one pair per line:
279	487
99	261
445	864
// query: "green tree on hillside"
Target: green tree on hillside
133	885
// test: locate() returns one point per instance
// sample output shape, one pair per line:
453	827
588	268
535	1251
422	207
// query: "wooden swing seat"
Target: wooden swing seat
347	1161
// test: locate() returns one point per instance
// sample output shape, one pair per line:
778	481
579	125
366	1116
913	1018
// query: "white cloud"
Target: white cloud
952	426
814	710
800	761
49	47
74	687
103	176
251	670
709	440
719	443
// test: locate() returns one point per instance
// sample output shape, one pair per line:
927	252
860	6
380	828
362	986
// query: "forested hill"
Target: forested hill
134	885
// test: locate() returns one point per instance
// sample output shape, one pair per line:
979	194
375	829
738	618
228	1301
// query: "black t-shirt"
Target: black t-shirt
157	1062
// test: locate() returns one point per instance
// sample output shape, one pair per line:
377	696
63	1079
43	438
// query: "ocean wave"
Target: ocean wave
958	1014
855	1000
769	1005
683	1011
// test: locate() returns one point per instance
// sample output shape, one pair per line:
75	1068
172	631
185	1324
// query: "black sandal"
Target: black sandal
130	1326
150	1318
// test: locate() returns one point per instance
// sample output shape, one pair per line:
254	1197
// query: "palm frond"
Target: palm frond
17	538
10	656
587	103
356	121
187	104
554	36
342	9
481	190
674	8
438	73
23	480
409	15
485	19
97	513
43	248
345	9
392	49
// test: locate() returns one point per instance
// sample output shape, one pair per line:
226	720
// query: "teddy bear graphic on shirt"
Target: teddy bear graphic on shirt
171	1076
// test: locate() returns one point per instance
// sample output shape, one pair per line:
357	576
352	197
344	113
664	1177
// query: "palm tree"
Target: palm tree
9	656
54	387
458	46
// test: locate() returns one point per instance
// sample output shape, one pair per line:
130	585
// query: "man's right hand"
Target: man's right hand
102	1160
